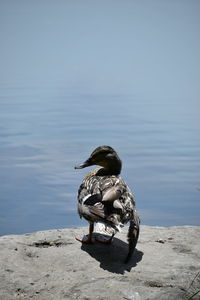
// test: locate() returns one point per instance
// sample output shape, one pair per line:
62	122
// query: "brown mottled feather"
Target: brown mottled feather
104	197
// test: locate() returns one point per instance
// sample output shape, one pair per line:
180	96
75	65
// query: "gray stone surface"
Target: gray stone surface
53	265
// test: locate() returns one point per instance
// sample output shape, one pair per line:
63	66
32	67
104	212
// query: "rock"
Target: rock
51	265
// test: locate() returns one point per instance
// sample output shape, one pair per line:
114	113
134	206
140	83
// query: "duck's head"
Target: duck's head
106	157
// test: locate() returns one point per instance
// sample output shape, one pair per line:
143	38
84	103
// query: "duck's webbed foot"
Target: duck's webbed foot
87	239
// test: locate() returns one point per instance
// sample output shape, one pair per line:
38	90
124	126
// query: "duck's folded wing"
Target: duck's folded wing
97	210
94	205
112	193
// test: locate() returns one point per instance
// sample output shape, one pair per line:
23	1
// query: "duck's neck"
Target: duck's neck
111	168
115	167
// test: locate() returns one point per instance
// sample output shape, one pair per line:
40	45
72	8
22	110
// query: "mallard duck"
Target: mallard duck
104	198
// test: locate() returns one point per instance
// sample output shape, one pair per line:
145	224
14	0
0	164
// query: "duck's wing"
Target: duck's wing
102	198
112	193
112	188
95	206
89	203
117	193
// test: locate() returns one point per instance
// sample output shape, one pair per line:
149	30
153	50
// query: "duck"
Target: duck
105	199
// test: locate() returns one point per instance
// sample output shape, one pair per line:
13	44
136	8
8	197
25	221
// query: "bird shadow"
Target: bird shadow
112	256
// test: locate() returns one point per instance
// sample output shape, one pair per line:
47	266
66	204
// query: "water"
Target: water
61	95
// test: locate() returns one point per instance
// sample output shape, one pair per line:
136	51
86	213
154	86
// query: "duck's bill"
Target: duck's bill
84	165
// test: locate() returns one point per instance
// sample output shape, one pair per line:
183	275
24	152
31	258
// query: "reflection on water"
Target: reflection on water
45	132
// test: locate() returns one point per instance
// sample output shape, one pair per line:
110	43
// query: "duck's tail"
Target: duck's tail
133	234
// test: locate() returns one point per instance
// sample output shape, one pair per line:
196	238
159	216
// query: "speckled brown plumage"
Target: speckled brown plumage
103	196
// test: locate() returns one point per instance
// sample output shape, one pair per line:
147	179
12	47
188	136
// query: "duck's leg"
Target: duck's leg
87	238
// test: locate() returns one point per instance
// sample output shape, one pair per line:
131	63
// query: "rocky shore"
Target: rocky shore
51	265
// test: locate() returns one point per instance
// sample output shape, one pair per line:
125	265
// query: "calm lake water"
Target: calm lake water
46	132
74	77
